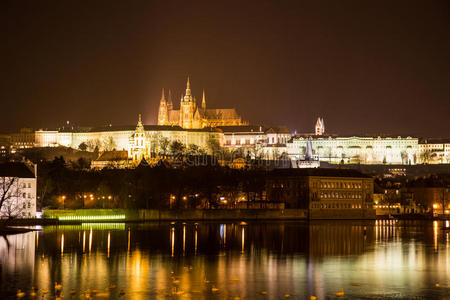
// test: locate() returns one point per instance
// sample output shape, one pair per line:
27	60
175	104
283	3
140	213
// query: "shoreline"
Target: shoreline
75	217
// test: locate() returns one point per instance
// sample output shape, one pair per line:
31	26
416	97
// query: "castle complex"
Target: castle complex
194	116
195	124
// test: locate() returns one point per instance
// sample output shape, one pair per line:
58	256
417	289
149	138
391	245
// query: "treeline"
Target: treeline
62	186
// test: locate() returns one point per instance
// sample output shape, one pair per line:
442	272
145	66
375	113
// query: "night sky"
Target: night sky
364	66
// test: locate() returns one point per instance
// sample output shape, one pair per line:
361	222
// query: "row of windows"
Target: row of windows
24	195
26	185
338	185
339	195
337	205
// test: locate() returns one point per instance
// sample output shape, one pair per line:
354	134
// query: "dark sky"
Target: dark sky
364	66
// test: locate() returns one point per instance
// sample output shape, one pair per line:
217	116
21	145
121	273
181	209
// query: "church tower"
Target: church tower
320	126
187	108
163	111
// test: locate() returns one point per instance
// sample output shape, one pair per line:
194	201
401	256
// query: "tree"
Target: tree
177	148
83	146
93	145
425	156
9	196
163	144
108	144
193	149
213	145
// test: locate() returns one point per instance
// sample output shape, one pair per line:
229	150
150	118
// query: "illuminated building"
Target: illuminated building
320	126
434	151
326	193
191	115
18	188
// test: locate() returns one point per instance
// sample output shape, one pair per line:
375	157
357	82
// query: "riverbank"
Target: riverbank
144	215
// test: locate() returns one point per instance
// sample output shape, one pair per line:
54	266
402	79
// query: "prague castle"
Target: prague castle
194	116
196	125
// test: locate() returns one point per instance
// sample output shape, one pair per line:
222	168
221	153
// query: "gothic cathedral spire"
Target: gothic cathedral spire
162	113
204	100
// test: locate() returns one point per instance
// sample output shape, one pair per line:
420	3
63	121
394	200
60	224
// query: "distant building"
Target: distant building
357	149
435	151
112	159
326	193
18	185
191	115
320	126
25	138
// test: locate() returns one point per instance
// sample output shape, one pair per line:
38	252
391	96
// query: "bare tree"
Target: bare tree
10	206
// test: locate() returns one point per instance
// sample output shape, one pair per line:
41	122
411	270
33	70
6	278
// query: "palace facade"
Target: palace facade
194	116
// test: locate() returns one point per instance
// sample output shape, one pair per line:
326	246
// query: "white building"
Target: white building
17	190
436	151
354	149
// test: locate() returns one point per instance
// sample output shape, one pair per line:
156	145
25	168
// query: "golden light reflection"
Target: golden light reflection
129	239
172	239
37	240
84	241
90	240
62	244
195	241
243	239
435	235
109	241
184	240
224	234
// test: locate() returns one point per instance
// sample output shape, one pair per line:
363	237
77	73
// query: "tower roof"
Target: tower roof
163	97
188	87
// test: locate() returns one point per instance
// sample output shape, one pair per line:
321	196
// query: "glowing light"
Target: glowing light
90	240
172	238
435	235
184	239
91	218
195	242
109	241
243	239
435	206
84	241
62	244
129	240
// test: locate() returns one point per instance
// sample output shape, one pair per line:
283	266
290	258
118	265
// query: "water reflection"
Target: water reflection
379	259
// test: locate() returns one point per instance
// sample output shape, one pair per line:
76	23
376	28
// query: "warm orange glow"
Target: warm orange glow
109	241
62	244
435	206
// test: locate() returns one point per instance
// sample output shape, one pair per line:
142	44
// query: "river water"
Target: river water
233	260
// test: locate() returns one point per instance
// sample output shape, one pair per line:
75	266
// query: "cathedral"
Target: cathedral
194	116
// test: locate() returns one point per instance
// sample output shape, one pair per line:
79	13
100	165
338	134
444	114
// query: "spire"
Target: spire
139	126
188	87
163	97
204	100
169	101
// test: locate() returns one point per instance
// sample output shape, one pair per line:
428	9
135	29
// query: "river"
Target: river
382	259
